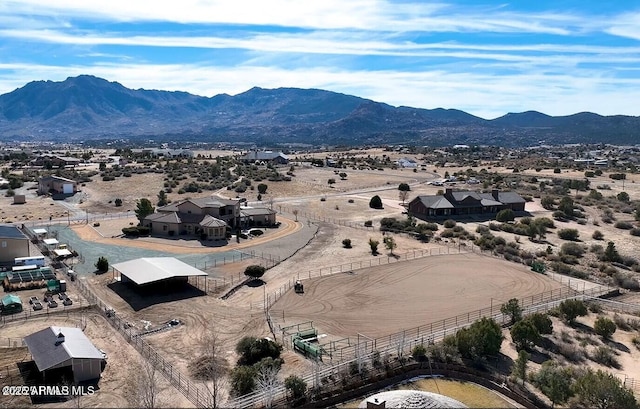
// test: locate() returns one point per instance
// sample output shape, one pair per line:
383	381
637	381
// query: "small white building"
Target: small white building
60	347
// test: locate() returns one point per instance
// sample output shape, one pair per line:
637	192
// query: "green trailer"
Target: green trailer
307	348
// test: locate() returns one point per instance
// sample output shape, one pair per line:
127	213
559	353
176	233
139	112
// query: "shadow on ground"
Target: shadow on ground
142	297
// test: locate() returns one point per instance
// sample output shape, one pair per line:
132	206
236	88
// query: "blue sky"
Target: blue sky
487	58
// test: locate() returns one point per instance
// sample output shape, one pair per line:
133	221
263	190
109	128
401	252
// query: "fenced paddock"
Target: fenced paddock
385	299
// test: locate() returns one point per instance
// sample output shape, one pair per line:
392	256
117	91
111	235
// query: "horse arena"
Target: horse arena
377	301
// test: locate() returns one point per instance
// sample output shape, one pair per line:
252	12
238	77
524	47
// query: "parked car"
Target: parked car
67	301
52	303
37	306
33	299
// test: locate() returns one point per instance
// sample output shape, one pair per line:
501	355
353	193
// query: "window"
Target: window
164	228
4	244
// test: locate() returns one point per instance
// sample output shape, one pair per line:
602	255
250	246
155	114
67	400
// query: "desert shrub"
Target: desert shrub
505	215
636	342
494	227
596	248
604	327
605	356
368	223
597	235
572	249
573	353
621	322
635	231
449	223
595	308
626	281
346	243
136	231
568	234
623	225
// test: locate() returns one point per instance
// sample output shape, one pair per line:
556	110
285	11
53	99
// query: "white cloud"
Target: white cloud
374	15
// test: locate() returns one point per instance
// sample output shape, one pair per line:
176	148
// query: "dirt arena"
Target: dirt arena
386	299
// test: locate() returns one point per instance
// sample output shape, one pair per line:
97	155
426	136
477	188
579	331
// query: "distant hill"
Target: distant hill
86	107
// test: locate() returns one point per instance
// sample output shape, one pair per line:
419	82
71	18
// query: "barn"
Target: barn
65	348
163	271
13	244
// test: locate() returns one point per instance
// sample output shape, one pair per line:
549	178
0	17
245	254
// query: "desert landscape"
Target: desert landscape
349	291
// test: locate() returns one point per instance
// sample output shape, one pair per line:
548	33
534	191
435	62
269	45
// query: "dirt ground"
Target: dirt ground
423	291
116	380
386	299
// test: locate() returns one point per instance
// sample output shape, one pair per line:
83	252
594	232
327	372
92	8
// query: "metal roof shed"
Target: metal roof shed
153	269
60	347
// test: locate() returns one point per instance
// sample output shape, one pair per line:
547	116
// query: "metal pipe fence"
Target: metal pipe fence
401	343
199	397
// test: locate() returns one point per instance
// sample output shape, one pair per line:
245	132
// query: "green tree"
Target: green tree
102	265
548	202
419	352
404	187
572	309
255	271
390	244
520	366
542	322
118	202
143	209
162	198
343	176
604	327
346	243
243	380
566	206
604	390
513	309
253	350
524	335
296	386
505	215
611	254
375	202
480	340
373	244
623	197
262	188
555	382
331	182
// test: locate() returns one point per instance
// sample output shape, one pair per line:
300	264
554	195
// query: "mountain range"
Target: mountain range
91	108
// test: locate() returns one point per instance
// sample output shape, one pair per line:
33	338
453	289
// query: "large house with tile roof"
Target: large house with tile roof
208	217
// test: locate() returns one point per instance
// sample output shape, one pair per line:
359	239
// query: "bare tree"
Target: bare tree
267	381
213	367
295	213
403	194
149	388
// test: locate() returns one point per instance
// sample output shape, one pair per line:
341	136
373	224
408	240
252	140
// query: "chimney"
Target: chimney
448	192
60	338
496	194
